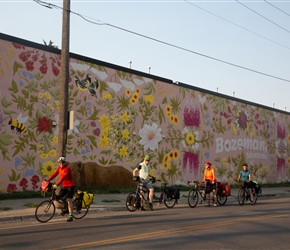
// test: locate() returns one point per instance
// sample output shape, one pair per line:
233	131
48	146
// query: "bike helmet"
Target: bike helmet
147	158
208	163
61	159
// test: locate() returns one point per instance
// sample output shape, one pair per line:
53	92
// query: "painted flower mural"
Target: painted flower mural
128	115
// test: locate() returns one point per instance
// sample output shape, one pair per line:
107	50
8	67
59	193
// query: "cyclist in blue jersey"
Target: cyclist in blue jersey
246	179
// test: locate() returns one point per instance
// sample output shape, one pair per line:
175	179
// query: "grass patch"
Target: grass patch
109	201
31	205
5	208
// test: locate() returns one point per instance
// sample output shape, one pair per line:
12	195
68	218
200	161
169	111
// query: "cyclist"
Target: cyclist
246	178
67	182
209	179
144	170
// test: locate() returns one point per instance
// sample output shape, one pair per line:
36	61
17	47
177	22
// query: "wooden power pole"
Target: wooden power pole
64	77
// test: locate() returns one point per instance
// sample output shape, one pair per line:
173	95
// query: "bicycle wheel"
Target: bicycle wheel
241	196
192	198
168	202
78	211
131	202
45	211
255	197
221	199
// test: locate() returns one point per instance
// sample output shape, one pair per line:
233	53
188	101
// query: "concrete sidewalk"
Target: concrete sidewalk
23	209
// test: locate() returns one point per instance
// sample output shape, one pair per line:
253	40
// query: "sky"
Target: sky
236	48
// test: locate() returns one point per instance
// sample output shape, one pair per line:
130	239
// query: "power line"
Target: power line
236	24
277	8
165	43
262	16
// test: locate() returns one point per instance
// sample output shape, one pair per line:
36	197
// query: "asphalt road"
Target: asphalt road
265	225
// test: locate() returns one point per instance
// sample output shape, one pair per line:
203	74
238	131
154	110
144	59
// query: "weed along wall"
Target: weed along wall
119	116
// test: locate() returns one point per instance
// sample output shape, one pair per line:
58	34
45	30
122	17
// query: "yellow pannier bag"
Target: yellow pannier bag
87	198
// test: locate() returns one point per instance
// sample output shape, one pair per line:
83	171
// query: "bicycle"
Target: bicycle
198	192
46	209
168	195
244	195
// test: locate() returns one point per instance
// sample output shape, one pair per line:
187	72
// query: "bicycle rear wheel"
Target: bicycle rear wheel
169	203
192	198
255	196
45	211
241	196
131	202
78	211
221	199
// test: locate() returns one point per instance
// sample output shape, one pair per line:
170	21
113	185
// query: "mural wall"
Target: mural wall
120	115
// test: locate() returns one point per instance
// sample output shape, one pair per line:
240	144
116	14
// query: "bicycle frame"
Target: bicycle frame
198	192
140	198
244	195
45	211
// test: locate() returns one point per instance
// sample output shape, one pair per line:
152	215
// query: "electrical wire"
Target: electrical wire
236	24
166	43
277	8
263	16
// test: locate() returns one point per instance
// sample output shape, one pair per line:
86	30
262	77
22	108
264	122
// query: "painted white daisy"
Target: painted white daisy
150	136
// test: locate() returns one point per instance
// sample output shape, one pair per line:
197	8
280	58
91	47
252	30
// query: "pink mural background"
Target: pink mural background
126	116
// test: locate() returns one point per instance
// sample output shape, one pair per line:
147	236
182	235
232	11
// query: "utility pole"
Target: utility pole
64	76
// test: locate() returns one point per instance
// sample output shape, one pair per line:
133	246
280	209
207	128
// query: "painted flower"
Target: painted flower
44	124
125	117
48	168
125	134
150	136
123	151
104	141
23	184
242	120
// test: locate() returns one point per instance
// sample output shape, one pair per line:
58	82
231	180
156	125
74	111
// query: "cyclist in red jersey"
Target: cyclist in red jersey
67	182
209	176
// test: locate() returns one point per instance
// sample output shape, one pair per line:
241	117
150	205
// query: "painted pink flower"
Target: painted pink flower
191	116
191	160
281	133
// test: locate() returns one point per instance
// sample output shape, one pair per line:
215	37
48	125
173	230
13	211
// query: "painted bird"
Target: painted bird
83	84
93	87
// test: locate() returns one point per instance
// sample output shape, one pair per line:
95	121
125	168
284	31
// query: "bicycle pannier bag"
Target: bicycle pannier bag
176	193
87	199
257	187
46	186
227	190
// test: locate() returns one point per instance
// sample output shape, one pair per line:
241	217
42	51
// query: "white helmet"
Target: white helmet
61	159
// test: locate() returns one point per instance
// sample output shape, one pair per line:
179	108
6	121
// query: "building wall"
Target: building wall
129	115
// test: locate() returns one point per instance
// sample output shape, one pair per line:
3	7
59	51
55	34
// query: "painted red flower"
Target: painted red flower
24	184
34	180
11	188
44	124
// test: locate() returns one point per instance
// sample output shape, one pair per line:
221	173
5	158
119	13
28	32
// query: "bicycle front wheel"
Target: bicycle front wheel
78	211
241	196
131	202
45	211
192	198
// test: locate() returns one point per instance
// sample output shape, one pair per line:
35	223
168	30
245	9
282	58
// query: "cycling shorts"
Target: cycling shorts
67	192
